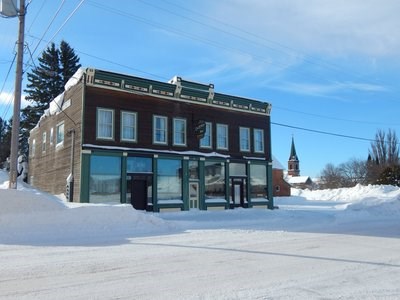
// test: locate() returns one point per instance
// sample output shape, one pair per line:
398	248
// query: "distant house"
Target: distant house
281	186
178	145
300	182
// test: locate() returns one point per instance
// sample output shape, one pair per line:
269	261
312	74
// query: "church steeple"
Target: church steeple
293	162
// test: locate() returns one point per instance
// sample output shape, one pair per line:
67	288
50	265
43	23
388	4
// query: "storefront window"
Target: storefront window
258	181
236	169
139	165
105	179
214	173
169	180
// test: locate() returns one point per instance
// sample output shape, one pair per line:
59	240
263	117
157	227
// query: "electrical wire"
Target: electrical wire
2	88
281	48
48	27
66	20
325	132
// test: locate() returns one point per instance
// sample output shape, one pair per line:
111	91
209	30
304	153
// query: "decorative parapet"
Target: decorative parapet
176	89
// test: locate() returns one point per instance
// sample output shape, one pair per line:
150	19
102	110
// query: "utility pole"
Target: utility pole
17	98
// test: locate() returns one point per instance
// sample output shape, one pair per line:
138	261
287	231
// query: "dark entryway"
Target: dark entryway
137	190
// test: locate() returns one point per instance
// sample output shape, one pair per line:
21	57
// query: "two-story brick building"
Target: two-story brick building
157	145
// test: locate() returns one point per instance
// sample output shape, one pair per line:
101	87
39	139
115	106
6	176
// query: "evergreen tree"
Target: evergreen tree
384	153
391	176
5	141
69	62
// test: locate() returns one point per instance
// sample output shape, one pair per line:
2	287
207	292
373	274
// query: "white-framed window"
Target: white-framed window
179	132
44	137
59	134
33	149
51	136
128	126
244	136
206	141
160	130
222	136
105	124
259	140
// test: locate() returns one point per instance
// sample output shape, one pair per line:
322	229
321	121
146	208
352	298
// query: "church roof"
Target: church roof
293	155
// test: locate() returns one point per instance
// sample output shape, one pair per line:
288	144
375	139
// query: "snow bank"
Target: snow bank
27	215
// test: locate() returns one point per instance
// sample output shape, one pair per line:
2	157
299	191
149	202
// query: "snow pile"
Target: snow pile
27	215
382	199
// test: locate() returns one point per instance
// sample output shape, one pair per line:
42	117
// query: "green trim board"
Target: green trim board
182	89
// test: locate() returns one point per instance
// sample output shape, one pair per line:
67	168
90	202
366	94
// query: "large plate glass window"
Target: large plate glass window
258	182
105	179
169	181
214	178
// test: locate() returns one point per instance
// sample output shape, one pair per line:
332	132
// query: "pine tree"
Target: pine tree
5	140
69	62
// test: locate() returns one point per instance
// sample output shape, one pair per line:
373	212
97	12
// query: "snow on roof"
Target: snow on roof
74	79
57	104
276	164
298	179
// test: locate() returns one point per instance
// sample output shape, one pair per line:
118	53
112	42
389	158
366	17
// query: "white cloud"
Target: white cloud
8	99
315	89
340	27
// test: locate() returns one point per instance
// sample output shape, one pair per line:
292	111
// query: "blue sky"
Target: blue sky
328	66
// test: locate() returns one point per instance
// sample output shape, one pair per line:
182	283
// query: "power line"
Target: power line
58	30
323	132
332	118
280	47
66	20
2	88
48	27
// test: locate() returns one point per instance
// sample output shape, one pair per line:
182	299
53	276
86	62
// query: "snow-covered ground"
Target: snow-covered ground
332	244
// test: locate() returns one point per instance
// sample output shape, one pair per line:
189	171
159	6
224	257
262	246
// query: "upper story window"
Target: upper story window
105	124
51	136
206	141
259	140
33	149
160	129
128	126
222	136
60	134
44	137
179	132
244	136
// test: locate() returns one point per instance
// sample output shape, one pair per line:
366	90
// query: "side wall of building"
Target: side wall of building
281	187
50	159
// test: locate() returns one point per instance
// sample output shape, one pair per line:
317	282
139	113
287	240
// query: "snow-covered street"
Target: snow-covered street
338	244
